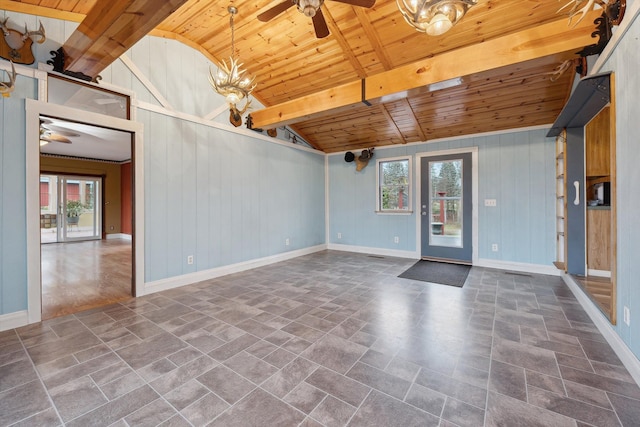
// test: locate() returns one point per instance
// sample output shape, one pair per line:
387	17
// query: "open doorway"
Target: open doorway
85	216
34	111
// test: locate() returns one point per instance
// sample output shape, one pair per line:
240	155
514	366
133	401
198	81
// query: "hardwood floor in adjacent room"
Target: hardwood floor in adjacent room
600	290
78	276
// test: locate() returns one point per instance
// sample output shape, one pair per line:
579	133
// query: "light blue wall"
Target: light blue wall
224	198
220	196
625	62
13	248
517	169
13	245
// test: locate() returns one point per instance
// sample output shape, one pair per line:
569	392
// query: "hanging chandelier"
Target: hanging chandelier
231	80
434	17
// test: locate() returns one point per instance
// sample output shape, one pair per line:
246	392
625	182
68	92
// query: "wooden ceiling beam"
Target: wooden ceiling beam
344	45
547	39
412	116
372	35
110	29
392	123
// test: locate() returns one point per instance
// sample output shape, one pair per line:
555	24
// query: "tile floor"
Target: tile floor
328	339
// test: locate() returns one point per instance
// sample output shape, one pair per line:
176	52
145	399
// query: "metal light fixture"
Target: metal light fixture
309	7
434	17
231	80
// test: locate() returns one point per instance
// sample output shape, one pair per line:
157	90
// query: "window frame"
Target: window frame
409	210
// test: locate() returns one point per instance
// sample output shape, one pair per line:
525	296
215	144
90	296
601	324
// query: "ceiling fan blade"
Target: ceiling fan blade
361	3
276	10
52	129
57	138
320	25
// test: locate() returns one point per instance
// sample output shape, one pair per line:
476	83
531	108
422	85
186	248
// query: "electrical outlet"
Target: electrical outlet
286	241
190	259
490	202
494	247
339	235
396	239
627	316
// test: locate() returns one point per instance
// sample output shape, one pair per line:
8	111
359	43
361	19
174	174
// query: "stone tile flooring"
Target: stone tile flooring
328	339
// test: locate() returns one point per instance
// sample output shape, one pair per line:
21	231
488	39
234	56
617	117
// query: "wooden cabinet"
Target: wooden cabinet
597	145
599	239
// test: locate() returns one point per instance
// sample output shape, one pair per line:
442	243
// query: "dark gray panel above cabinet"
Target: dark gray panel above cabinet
590	96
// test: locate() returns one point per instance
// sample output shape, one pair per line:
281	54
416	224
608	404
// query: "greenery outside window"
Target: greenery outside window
393	190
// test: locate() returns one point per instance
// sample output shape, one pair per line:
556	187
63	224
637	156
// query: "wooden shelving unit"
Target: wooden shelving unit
561	202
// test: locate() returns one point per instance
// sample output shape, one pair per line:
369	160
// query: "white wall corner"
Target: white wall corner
624	353
14	320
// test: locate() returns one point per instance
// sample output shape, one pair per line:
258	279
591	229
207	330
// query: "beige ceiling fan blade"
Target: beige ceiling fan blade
55	138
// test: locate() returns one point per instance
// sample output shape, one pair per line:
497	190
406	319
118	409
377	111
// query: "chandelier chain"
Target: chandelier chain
233	50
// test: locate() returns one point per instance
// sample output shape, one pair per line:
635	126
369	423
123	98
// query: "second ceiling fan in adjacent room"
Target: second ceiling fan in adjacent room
311	9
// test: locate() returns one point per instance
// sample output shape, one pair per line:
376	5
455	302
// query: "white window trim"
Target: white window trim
409	211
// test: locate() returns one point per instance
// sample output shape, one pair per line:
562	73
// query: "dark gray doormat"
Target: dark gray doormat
438	272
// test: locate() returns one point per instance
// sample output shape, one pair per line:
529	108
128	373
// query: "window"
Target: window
394	185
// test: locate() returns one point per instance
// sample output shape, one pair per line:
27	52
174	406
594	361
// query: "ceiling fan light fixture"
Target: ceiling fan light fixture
439	24
309	7
434	17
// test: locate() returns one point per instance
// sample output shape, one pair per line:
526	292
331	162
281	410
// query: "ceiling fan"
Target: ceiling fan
311	9
51	133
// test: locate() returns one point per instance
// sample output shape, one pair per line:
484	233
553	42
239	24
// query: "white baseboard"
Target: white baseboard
373	251
621	349
119	236
199	276
518	266
14	320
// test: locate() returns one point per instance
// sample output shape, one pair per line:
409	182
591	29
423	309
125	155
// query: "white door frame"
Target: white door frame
474	195
33	111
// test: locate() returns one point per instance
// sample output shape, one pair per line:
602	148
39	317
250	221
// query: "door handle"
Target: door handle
576	184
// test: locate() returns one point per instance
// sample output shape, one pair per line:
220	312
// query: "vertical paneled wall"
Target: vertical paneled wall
624	63
224	198
13	232
13	227
517	169
219	196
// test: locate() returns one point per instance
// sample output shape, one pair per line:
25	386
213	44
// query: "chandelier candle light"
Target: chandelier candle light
231	80
434	17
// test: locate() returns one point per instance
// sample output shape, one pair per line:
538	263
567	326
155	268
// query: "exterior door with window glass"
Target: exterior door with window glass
446	206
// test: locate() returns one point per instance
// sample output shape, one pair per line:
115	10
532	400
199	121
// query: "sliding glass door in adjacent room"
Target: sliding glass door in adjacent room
70	208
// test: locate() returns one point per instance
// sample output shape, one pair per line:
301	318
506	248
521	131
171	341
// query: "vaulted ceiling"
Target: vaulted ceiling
501	57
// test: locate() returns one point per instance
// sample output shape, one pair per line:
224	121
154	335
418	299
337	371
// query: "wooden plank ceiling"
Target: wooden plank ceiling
289	62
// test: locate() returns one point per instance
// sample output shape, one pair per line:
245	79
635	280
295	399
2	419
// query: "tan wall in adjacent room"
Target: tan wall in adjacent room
111	180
